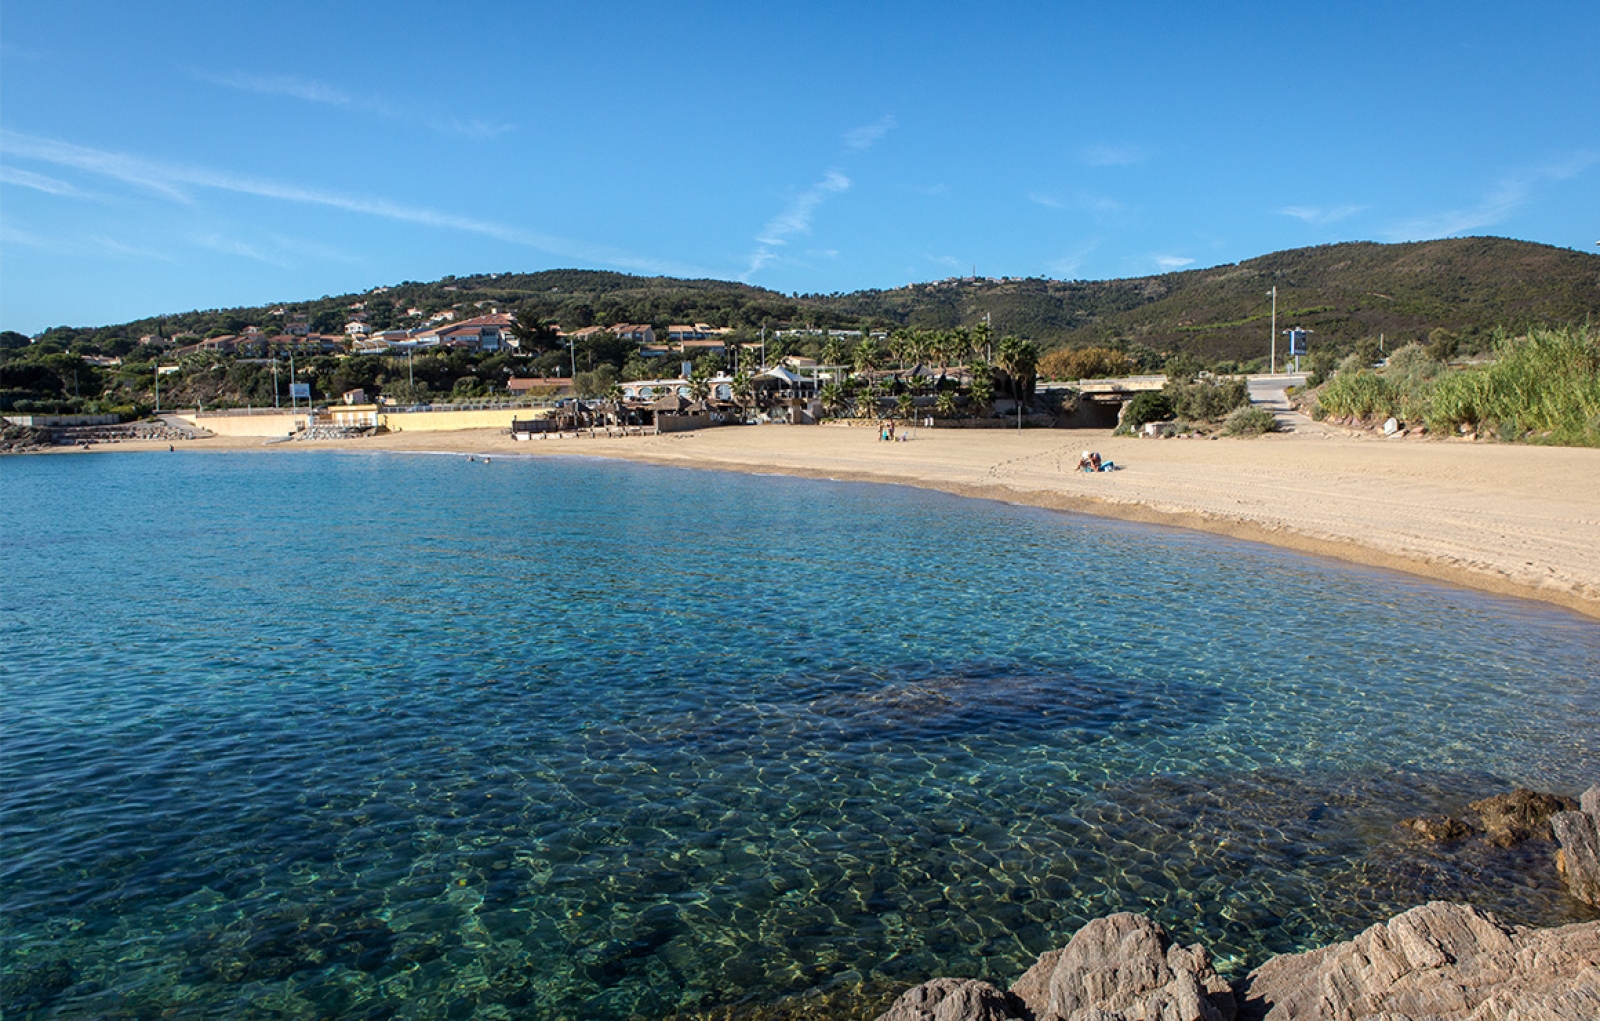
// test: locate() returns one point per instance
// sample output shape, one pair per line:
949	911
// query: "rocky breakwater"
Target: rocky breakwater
1438	962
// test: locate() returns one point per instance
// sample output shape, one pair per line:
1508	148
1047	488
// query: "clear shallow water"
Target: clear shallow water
330	735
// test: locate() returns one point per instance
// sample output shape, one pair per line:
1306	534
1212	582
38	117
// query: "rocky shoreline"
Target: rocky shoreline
1437	962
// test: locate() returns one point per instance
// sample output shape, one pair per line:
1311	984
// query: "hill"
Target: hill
1342	292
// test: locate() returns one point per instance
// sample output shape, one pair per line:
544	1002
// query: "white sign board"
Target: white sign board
300	390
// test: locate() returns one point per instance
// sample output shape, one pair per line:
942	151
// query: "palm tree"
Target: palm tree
945	404
699	385
982	385
833	398
867	355
742	389
832	352
1019	360
982	337
905	406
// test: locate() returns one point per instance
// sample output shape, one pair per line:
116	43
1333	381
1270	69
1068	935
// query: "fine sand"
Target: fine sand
1518	520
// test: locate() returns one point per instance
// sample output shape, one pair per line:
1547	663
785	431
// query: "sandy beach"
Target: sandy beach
1516	520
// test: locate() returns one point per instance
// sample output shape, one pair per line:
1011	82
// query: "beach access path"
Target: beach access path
1514	519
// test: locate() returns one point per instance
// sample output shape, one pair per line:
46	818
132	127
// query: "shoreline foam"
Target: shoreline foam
1522	521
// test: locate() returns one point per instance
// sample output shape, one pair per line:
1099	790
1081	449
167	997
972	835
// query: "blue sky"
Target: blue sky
158	157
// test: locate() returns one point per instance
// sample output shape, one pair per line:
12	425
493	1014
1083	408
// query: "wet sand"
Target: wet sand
1516	520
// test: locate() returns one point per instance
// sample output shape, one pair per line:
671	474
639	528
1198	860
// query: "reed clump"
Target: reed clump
1542	387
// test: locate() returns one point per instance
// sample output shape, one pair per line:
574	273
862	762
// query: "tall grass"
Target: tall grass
1544	386
1547	383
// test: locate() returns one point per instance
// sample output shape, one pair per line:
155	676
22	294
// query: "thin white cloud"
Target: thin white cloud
97	244
866	136
177	182
795	219
1319	215
312	91
281	85
39	182
1168	263
1508	195
1105	154
1081	200
236	246
1066	267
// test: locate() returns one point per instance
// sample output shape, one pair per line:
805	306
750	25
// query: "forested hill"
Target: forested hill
1343	293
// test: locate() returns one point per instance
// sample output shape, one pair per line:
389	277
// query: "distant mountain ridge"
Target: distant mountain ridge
1341	292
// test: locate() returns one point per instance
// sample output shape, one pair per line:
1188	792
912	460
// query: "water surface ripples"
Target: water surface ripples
397	736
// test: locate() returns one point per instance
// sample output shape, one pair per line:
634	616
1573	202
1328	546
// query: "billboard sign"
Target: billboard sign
300	390
1297	342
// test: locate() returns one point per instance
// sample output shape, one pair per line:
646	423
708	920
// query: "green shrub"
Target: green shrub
1145	407
1207	400
1250	421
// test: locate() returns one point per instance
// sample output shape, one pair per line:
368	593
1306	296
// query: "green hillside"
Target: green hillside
1343	293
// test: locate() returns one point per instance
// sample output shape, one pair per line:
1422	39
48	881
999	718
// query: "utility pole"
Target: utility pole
294	399
275	403
1274	293
158	384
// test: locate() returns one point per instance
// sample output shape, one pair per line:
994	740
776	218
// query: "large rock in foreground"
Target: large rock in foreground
1579	834
1123	967
1439	962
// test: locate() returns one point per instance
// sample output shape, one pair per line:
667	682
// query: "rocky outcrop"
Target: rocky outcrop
1579	835
954	999
1123	967
1522	815
1439	962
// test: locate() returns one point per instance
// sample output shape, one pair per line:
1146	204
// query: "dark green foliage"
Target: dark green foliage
1250	421
1149	406
1206	400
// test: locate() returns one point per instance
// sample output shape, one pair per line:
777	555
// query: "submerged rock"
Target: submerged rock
1510	819
1441	962
1441	829
1579	860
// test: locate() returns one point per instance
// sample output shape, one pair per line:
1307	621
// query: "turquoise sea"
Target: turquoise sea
344	735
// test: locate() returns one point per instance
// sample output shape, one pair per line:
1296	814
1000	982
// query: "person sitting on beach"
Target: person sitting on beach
1094	462
1086	462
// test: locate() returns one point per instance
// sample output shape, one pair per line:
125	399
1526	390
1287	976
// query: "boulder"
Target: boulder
1439	962
1579	834
1510	819
953	999
1124	967
1440	829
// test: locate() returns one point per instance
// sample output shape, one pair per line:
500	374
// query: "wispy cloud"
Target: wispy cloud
312	91
1168	263
280	85
1105	154
97	244
1508	195
39	182
1319	215
795	219
866	136
1066	267
1080	200
178	182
